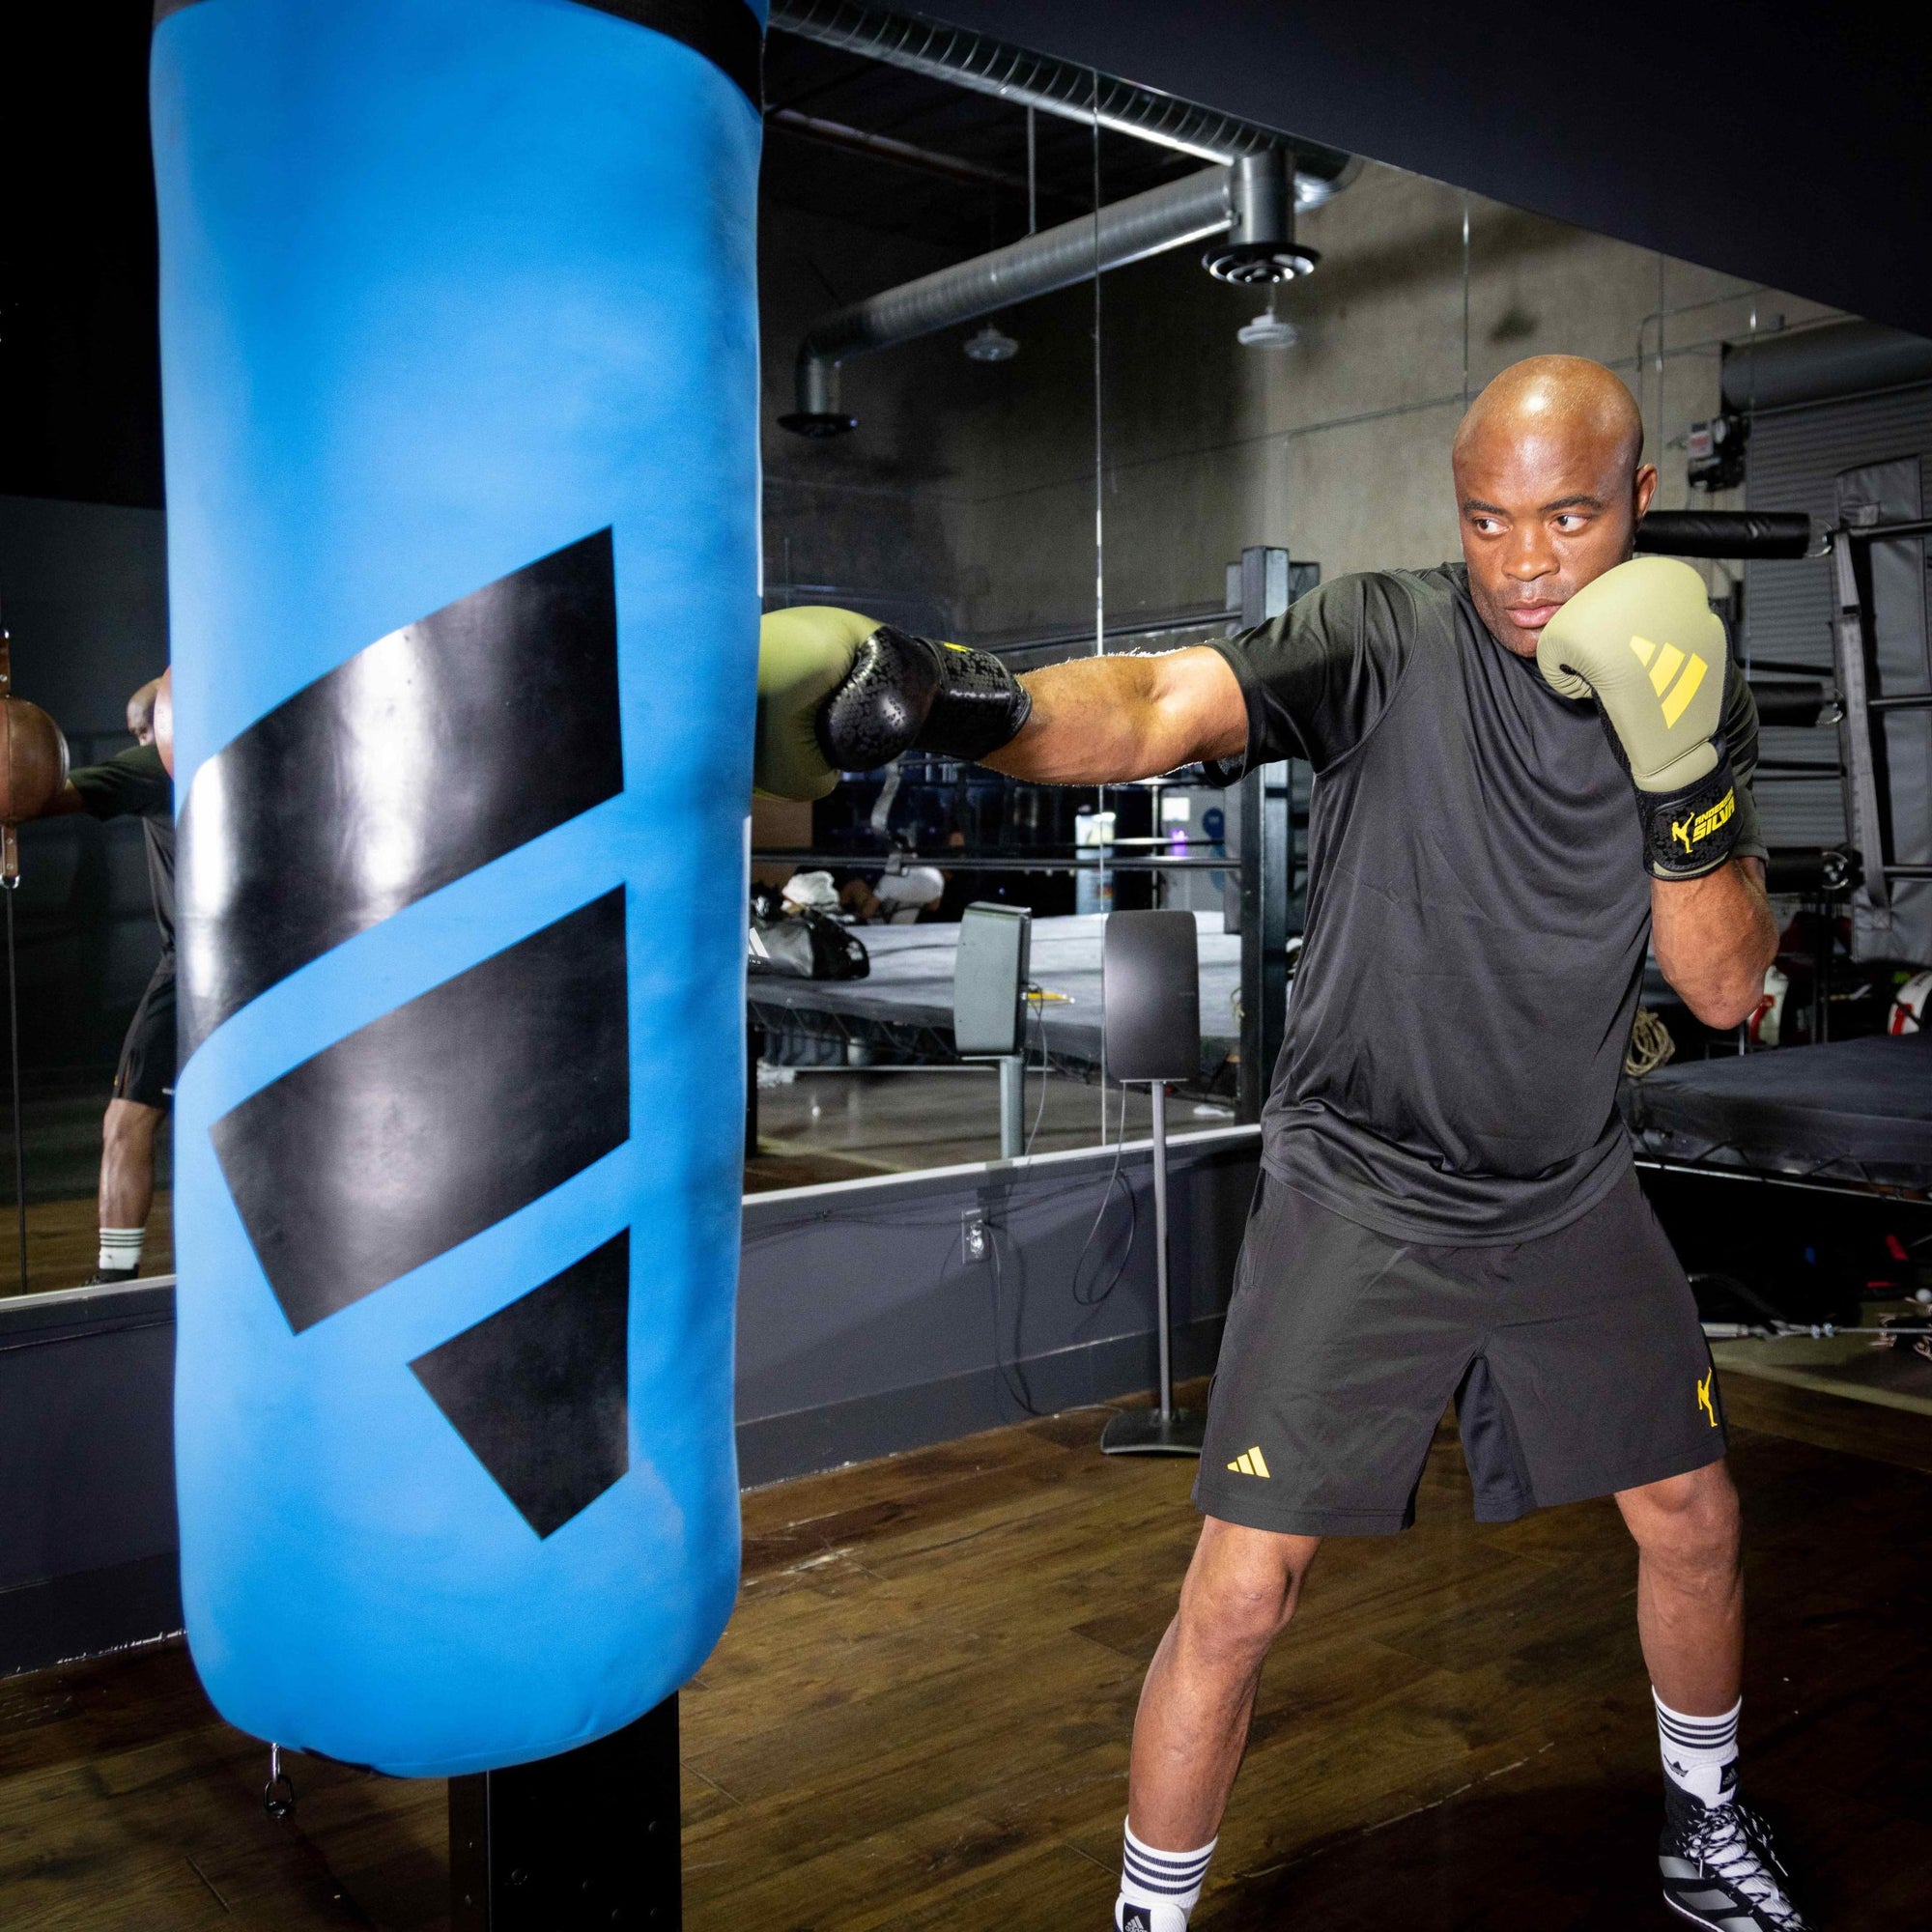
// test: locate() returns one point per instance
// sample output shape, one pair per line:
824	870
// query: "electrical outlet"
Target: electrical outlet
973	1234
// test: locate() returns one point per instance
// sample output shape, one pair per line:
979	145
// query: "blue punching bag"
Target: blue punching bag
459	383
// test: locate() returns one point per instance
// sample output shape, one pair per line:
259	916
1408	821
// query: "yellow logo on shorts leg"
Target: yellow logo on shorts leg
1704	1396
1250	1463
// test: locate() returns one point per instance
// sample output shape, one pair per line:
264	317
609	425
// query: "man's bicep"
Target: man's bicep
1203	708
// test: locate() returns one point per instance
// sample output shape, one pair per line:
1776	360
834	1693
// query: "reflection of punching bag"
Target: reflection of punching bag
460	391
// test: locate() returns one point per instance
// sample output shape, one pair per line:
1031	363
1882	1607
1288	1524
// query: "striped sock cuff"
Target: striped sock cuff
121	1247
1173	1876
1697	1734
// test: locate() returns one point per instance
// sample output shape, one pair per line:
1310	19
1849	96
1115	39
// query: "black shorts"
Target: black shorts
1576	1361
147	1070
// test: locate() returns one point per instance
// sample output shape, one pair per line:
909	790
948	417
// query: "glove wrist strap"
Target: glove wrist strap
1689	831
979	705
905	692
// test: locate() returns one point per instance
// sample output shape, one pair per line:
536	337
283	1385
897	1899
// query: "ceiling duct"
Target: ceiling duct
1010	73
1247	204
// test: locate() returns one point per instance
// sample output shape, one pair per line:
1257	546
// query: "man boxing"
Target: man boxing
1446	1210
135	783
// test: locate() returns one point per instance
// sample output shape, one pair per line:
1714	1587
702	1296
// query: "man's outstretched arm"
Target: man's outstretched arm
840	691
1100	720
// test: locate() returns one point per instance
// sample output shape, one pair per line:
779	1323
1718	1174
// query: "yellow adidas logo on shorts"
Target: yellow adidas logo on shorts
1664	662
1250	1463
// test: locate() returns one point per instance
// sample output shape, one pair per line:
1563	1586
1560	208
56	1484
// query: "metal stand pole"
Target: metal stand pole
587	1839
1159	1096
1164	1431
1012	1106
10	884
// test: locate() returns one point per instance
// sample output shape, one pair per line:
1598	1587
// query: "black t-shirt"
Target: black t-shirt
1478	915
136	783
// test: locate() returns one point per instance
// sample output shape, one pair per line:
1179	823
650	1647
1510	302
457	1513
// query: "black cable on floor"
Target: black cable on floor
1094	1300
1012	1369
1038	1000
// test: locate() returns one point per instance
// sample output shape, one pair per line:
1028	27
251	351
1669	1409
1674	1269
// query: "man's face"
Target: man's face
141	720
1544	510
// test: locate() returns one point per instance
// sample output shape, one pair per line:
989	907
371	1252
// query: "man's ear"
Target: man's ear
1645	488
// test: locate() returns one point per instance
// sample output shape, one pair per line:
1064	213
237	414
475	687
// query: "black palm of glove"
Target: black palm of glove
839	692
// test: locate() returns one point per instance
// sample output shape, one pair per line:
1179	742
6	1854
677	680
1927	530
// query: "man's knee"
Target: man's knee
1241	1589
1690	1522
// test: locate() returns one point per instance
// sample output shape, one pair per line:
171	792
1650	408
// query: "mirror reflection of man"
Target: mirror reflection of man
135	785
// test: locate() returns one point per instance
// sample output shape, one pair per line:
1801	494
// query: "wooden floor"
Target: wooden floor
919	1717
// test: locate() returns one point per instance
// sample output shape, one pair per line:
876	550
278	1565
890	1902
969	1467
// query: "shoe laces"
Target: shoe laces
1734	1842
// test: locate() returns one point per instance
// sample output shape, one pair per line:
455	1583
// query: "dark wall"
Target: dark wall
1784	146
80	391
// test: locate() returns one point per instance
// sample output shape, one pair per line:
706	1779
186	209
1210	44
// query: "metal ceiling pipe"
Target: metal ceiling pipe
1808	365
1074	93
1146	224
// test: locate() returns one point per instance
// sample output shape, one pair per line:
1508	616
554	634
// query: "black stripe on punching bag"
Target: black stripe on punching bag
438	1120
725	32
540	1390
430	753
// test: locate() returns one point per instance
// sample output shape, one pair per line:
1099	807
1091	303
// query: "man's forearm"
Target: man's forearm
1105	721
1714	937
66	802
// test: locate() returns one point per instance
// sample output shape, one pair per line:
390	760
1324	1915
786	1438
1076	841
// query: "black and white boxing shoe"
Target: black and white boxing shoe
1721	1870
1149	1918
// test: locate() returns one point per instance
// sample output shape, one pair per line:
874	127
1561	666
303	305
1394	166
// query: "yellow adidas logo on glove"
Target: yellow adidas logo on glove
1663	662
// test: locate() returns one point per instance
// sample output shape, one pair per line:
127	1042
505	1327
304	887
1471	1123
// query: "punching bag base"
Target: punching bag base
587	1839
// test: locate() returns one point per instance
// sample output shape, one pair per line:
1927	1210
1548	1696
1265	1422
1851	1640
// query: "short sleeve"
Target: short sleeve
133	784
1739	731
1318	677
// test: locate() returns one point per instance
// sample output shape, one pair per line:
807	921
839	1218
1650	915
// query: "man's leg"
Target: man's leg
1340	1350
1192	1726
127	1184
1690	1588
1716	1860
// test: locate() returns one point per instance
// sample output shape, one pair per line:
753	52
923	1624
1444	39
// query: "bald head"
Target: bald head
1550	485
1561	398
141	712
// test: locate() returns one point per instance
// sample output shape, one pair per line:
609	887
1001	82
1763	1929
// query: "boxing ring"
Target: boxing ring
902	1013
1857	1113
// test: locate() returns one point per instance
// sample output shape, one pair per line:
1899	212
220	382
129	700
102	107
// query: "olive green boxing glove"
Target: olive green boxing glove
838	692
1643	642
802	656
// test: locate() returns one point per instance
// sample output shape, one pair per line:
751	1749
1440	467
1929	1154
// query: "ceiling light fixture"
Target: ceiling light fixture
1268	330
991	345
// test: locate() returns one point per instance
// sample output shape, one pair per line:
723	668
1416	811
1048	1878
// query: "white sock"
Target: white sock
1158	1889
1700	1754
121	1249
